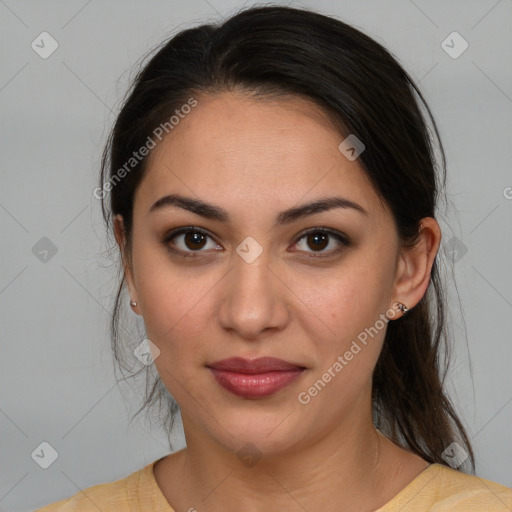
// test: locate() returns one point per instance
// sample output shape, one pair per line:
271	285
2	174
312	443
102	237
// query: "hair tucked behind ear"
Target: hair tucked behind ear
364	90
410	402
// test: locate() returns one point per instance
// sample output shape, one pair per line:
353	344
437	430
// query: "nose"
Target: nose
253	299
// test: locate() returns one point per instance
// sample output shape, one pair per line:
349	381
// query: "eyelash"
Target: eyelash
344	240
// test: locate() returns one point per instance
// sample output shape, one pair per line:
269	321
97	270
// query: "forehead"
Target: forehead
240	151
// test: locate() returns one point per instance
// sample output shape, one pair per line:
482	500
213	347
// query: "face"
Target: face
252	281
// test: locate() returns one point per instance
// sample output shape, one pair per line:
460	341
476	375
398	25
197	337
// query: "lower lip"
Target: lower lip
257	385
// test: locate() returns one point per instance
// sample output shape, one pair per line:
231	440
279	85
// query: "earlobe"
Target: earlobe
415	265
133	305
401	307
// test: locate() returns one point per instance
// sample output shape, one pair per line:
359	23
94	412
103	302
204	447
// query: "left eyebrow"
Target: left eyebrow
320	205
214	212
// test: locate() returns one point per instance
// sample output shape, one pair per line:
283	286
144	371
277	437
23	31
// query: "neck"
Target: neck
341	470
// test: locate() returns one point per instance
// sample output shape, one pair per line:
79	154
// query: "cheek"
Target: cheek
347	354
351	305
174	303
351	298
176	312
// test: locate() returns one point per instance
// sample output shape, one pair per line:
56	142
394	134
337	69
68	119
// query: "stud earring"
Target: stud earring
133	303
402	307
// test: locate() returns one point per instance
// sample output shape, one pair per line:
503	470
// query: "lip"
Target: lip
256	378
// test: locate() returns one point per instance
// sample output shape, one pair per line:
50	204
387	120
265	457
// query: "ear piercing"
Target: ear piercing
402	307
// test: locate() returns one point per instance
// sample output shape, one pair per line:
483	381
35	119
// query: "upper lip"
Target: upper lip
252	366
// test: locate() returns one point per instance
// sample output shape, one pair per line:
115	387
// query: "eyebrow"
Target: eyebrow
213	212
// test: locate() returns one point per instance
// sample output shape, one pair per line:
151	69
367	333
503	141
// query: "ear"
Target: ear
120	234
415	264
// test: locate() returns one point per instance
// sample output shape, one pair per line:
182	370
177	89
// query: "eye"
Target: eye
320	239
189	240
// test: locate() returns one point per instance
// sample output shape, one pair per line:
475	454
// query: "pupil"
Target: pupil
319	240
195	239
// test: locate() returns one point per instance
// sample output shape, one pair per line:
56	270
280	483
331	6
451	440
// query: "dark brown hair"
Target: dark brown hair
272	51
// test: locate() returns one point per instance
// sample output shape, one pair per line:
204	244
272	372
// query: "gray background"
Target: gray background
56	373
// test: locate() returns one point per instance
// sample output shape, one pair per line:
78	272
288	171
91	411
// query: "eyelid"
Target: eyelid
185	229
343	239
325	230
181	231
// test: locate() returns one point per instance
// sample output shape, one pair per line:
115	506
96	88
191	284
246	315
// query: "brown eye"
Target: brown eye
316	240
194	240
189	240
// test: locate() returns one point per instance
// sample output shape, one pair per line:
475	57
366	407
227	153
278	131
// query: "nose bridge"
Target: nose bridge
251	262
251	276
251	303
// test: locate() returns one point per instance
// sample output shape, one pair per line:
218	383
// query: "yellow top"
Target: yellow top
437	488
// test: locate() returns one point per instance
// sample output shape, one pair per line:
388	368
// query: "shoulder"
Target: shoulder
440	488
134	492
469	491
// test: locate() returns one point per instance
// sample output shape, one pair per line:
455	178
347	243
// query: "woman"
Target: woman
272	188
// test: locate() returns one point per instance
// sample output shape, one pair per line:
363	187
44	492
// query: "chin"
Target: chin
266	434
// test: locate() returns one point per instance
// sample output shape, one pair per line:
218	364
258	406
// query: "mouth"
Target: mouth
256	378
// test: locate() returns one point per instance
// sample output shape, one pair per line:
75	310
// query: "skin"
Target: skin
255	158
